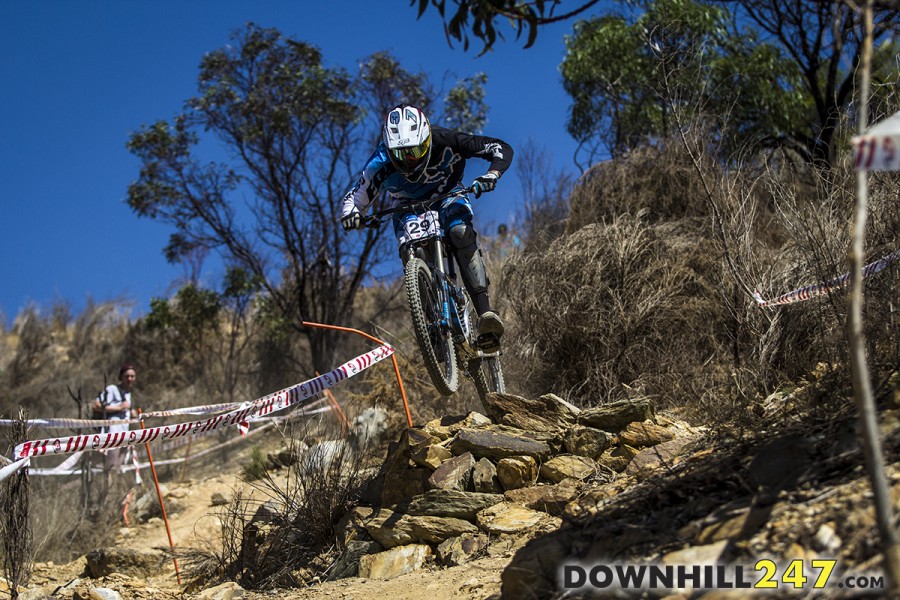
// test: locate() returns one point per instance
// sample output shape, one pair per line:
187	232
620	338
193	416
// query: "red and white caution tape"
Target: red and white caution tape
194	410
69	423
208	450
137	465
825	287
96	423
68	466
91	423
261	407
138	480
13	467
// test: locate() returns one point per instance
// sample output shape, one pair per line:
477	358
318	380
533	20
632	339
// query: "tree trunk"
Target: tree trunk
862	387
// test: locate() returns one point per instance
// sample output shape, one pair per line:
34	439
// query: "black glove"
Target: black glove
352	220
483	184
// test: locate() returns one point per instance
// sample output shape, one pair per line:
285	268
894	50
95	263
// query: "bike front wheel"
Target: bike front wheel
435	341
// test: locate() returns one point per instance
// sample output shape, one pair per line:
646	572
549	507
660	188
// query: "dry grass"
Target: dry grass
650	291
659	183
290	538
613	308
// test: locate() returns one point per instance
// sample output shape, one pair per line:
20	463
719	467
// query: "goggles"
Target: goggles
414	153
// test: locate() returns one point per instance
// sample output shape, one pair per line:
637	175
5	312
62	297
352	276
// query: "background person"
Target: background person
114	403
506	243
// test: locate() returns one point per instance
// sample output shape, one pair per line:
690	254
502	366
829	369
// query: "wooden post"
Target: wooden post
862	387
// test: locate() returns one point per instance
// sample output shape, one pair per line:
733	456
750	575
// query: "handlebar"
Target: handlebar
375	219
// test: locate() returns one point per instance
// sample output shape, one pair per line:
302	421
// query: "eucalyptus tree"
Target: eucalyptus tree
627	71
762	73
825	44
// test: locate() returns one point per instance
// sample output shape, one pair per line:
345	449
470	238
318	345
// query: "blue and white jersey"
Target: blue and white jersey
450	150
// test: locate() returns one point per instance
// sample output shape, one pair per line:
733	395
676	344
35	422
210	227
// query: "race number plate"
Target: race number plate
422	226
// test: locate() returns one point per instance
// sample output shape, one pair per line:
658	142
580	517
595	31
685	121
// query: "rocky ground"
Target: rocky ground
505	501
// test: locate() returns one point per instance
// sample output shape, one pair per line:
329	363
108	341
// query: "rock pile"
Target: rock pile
460	487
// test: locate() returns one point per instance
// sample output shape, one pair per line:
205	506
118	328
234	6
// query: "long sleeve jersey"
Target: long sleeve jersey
449	152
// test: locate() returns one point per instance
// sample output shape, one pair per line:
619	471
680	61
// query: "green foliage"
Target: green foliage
608	73
387	84
187	326
465	107
192	311
209	335
240	286
823	43
762	76
626	75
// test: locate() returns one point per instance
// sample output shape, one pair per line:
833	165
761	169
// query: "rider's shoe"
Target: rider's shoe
490	330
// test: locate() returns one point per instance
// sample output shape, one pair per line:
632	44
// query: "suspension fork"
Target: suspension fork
440	283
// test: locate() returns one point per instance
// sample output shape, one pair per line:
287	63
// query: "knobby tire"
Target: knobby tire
435	344
487	375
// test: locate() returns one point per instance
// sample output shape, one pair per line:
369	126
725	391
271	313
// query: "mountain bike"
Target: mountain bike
443	316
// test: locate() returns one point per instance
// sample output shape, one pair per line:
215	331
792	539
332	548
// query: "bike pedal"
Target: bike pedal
488	343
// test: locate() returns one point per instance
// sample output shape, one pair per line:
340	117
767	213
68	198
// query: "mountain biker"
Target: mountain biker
417	161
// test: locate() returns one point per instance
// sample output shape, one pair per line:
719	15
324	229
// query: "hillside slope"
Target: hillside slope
795	492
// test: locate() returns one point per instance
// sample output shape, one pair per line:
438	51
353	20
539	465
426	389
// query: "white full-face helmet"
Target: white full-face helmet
407	135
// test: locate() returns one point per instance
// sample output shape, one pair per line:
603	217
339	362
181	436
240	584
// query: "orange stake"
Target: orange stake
162	504
376	340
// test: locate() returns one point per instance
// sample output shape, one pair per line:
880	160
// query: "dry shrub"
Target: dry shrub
882	322
54	352
15	527
660	182
651	290
616	306
88	519
817	219
219	560
290	538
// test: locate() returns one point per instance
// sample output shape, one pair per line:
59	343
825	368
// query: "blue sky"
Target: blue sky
79	77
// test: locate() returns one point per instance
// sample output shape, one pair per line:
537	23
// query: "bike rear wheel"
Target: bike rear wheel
435	341
487	374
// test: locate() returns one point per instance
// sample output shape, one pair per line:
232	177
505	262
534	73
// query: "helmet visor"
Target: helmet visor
409	158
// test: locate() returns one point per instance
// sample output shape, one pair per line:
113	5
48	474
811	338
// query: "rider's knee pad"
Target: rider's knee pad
462	236
468	257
